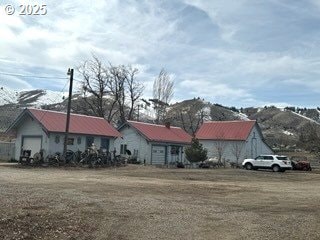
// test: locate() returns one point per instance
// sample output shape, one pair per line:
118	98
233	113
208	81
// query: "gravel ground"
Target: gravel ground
137	202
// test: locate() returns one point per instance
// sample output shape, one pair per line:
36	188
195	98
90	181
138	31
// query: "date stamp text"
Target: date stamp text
26	9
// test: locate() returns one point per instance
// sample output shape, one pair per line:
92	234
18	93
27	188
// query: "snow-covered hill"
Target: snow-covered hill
35	98
307	118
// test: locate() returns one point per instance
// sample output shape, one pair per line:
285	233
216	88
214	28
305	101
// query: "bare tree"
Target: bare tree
125	89
134	89
110	90
220	146
237	149
162	94
117	88
94	86
192	115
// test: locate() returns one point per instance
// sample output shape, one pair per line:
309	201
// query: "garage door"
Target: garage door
32	143
158	155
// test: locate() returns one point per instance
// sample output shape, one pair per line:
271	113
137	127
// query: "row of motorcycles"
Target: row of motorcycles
90	158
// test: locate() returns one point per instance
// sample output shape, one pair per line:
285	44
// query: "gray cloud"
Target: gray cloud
226	51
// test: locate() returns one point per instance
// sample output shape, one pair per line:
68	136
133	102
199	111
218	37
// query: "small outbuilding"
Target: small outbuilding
232	140
37	129
153	144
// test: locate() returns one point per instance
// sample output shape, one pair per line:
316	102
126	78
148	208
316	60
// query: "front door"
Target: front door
175	153
105	143
267	161
89	141
259	161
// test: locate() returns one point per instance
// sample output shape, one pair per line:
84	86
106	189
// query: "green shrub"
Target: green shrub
196	152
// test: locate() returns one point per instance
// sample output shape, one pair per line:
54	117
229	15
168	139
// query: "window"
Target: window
268	158
135	152
282	158
70	141
175	150
79	140
57	139
89	141
259	158
123	148
104	143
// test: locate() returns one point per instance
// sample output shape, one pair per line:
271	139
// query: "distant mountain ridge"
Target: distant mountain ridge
12	103
36	98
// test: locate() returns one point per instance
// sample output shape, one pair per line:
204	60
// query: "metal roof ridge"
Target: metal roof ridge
152	124
74	114
231	121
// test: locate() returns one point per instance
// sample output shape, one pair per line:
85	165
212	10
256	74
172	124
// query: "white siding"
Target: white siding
228	149
32	143
58	147
255	139
180	157
158	154
172	158
252	147
134	141
29	127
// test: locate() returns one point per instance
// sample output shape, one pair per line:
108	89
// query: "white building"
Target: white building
233	139
153	144
40	129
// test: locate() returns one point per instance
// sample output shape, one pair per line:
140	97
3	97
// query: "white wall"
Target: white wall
249	149
255	138
173	158
134	141
58	147
29	127
228	149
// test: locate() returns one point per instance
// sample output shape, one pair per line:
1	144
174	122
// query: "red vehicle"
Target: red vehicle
302	165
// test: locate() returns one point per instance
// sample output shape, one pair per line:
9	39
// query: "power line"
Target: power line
77	80
31	76
50	100
7	94
62	90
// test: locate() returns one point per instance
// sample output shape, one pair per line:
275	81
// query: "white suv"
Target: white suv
275	162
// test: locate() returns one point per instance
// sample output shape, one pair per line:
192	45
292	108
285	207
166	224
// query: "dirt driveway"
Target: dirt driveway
138	202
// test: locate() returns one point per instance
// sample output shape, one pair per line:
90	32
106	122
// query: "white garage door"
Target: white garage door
32	143
158	154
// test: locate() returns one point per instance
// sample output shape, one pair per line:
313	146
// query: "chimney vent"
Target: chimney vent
167	124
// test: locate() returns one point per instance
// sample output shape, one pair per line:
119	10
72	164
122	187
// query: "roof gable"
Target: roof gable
225	130
53	121
161	133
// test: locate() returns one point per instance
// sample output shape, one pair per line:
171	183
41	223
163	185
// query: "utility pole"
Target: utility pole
138	111
139	106
70	73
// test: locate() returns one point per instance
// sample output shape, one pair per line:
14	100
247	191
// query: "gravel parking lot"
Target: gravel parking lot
138	202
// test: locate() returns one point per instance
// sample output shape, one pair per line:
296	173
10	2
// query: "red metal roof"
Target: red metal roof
225	130
79	124
161	133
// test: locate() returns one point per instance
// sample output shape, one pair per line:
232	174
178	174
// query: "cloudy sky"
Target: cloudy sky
236	53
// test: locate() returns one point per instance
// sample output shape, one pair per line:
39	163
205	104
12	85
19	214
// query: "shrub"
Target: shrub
196	152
